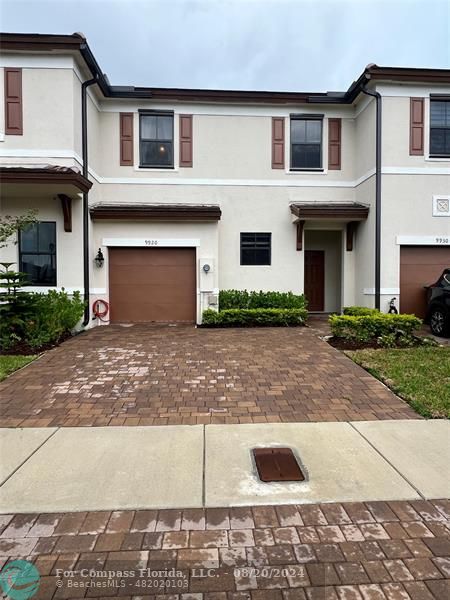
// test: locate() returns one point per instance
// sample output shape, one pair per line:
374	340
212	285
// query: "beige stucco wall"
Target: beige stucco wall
226	146
47	111
396	134
256	208
364	245
365	140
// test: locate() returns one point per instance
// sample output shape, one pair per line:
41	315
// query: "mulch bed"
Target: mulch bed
342	344
24	349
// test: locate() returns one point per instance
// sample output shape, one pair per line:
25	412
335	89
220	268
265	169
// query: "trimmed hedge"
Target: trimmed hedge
244	299
255	317
359	311
372	326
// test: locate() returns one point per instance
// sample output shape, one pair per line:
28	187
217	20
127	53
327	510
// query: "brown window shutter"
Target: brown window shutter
185	140
334	144
416	127
13	102
126	139
277	142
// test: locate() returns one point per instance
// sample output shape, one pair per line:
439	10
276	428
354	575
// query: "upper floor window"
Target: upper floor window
156	140
440	128
256	248
306	142
37	253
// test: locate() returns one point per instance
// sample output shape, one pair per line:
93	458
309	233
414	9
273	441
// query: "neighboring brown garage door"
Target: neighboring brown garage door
419	266
152	284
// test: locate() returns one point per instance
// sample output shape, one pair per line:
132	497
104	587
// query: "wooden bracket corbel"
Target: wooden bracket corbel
300	226
351	227
66	205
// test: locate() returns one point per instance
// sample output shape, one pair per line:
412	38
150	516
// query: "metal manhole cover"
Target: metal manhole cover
277	464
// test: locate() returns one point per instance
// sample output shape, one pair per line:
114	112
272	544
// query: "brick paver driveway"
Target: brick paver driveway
150	375
371	551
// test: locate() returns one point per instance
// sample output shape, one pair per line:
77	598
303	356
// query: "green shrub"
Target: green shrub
359	311
34	319
16	306
56	314
370	327
244	299
388	340
255	317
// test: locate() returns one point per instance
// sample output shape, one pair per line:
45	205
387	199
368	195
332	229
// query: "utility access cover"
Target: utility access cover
277	464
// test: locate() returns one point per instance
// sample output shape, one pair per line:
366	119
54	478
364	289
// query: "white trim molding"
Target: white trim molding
151	242
415	170
61	288
423	240
383	291
173	178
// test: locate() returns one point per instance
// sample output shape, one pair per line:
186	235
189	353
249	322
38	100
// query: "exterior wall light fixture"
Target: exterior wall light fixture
99	259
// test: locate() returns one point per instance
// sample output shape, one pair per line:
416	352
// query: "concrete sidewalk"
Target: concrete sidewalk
104	468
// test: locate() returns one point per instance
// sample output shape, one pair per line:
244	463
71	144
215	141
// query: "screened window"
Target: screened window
37	253
156	140
440	128
306	143
256	248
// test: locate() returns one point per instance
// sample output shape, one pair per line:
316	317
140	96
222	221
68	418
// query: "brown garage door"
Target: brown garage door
419	266
152	284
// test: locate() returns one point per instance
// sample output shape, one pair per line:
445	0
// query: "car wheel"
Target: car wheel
439	322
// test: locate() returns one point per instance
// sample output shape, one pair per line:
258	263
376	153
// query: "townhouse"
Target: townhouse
152	200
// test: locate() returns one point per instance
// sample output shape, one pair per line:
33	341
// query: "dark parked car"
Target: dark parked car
438	309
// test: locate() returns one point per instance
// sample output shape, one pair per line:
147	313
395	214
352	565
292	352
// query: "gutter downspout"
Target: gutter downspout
84	145
377	97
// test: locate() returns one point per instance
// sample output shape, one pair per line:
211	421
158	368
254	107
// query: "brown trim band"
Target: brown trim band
38	42
330	211
23	175
166	212
409	74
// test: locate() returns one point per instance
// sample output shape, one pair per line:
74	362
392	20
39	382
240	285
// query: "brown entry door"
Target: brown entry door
315	279
152	284
420	266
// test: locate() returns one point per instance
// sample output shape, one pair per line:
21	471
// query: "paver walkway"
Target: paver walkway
150	375
371	551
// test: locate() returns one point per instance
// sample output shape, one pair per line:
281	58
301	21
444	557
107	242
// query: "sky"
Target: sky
285	45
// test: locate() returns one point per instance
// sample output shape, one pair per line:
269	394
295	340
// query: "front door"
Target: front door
315	279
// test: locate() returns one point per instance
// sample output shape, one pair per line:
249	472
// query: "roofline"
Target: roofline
49	42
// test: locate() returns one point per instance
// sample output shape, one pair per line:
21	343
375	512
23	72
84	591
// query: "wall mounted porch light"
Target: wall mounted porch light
99	259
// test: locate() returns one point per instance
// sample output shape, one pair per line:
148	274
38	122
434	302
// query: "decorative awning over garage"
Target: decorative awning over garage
156	212
348	212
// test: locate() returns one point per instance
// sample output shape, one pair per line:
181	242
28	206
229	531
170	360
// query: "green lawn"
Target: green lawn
419	375
9	364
